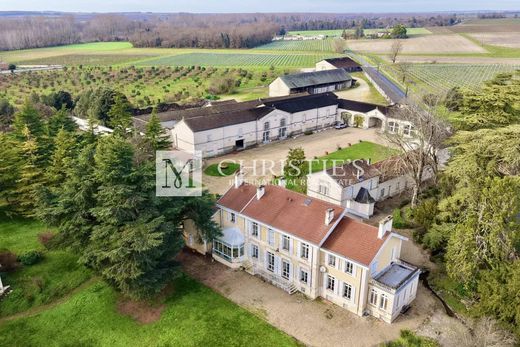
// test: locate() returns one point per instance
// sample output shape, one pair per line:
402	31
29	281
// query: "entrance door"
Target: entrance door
239	144
265	137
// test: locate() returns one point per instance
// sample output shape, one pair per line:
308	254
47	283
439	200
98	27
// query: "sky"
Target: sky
206	6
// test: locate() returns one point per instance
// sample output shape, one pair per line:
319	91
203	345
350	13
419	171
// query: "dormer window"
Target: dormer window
286	243
349	267
232	217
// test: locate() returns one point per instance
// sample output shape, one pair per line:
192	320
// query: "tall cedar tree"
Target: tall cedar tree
136	235
10	166
155	134
60	120
30	181
120	116
69	209
28	117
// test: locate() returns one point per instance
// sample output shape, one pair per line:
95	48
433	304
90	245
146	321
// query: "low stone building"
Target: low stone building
345	63
311	82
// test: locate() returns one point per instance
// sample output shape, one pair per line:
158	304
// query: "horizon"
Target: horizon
236	6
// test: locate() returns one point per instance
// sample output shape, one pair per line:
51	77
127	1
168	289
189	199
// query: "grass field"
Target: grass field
239	59
123	54
362	150
56	275
192	314
307	45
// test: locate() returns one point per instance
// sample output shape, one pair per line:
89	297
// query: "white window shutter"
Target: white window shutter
353	297
259	253
290	271
291	245
298	249
354	269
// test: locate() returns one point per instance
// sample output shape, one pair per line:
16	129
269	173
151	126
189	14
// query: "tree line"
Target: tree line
470	220
188	30
98	192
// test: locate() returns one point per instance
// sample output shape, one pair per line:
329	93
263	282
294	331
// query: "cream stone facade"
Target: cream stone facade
306	245
357	186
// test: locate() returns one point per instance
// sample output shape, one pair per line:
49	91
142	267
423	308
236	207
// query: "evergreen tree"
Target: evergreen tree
69	208
295	166
60	120
155	134
10	165
28	118
30	181
120	116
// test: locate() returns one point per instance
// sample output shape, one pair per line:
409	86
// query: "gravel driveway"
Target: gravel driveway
313	322
314	145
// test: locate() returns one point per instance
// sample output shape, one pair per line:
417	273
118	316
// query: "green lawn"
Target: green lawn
362	150
55	276
20	236
194	315
227	170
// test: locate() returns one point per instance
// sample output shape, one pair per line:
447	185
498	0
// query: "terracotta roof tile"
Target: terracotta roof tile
285	210
237	198
355	240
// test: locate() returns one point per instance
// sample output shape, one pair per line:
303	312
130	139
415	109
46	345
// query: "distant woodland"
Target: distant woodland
187	30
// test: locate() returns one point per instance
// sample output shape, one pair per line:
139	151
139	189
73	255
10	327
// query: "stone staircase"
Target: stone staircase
273	279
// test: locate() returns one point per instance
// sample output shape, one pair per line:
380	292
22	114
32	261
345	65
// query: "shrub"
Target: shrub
30	258
398	222
8	261
424	214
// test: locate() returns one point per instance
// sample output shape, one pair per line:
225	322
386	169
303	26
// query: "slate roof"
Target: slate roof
201	121
212	121
347	174
305	102
342	63
364	197
316	78
362	106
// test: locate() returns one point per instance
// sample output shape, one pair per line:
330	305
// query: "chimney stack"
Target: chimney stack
385	225
329	216
239	178
281	182
260	191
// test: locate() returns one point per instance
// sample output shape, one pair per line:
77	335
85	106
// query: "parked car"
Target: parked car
340	125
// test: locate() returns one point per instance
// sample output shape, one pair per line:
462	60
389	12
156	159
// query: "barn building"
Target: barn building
311	82
346	63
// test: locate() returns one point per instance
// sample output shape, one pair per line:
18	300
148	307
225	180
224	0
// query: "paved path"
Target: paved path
392	91
313	322
315	145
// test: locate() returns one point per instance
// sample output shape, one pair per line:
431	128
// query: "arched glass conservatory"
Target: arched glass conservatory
230	246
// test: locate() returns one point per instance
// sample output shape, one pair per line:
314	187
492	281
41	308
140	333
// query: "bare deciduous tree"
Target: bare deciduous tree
395	50
339	45
419	136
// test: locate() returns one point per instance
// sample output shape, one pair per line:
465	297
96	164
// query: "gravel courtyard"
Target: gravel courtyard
313	322
314	145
